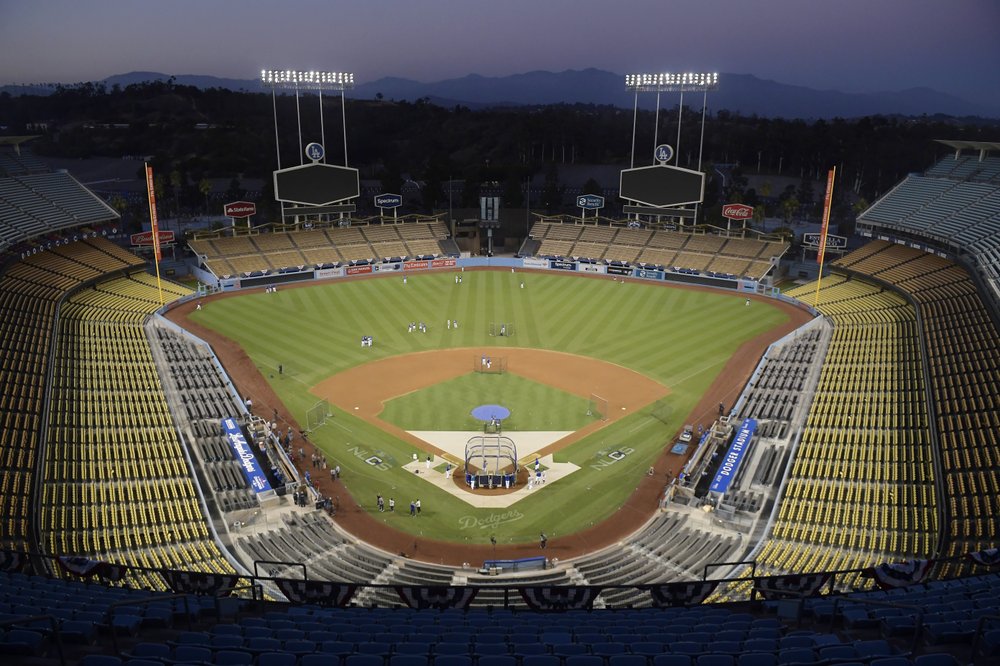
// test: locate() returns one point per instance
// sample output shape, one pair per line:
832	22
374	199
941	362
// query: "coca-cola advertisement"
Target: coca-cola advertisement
737	211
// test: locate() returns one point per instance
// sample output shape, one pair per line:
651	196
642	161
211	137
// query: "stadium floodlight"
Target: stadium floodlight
308	80
680	82
667	82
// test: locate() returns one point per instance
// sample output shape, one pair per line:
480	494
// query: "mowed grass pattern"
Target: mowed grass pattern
679	337
448	405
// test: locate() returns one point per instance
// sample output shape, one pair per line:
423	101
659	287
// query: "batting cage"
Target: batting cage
317	415
598	407
490	461
501	329
490	365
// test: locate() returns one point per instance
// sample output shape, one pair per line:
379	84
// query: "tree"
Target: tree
789	207
592	187
205	187
805	193
176	181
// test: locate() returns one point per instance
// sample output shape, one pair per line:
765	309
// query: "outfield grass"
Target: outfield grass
447	406
679	337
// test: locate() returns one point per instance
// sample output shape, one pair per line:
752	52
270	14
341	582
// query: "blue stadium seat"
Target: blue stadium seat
363	660
672	660
608	649
452	648
22	642
277	659
568	649
186	654
339	648
231	658
715	660
891	661
258	644
757	659
797	655
935	659
497	660
646	648
687	647
100	660
452	660
299	646
541	660
317	660
873	649
409	660
584	660
150	650
412	647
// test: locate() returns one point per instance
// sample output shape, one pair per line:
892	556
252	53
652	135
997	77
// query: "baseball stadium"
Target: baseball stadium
353	442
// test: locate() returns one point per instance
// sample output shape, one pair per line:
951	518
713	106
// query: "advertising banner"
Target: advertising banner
619	270
734	457
358	270
145	238
648	274
564	265
416	265
244	455
591	268
535	262
442	263
330	272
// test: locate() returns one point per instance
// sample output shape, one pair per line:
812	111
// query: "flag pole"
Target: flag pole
827	201
154	225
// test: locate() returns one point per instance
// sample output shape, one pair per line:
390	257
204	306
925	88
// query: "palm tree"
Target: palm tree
205	186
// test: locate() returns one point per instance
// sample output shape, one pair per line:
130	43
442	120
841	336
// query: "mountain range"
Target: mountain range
742	93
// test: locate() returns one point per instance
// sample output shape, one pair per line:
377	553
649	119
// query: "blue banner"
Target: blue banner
648	274
564	265
248	461
731	463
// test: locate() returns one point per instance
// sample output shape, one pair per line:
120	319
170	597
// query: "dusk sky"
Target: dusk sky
851	45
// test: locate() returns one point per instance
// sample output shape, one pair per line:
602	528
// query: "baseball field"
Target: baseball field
648	353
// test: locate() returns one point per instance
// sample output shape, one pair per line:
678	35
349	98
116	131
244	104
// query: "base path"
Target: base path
630	517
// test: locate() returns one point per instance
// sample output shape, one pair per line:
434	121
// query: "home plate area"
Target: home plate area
453	443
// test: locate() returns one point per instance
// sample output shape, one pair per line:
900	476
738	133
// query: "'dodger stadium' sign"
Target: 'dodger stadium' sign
244	456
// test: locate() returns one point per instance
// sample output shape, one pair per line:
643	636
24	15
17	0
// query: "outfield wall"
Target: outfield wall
683	277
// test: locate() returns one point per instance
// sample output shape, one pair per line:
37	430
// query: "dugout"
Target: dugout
514	566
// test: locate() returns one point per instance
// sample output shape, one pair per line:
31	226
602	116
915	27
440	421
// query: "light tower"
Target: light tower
290	79
314	184
666	82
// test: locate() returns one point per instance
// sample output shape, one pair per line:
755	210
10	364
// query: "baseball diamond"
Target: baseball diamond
578	348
